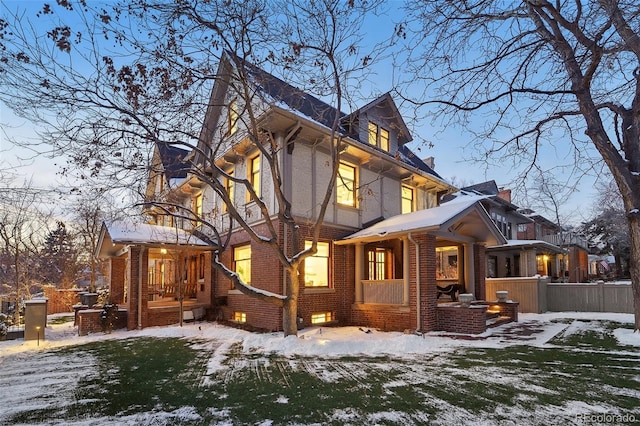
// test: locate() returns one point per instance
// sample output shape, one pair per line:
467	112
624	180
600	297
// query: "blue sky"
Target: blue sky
450	144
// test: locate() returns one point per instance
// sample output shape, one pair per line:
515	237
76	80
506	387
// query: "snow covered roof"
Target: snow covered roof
466	213
520	244
114	236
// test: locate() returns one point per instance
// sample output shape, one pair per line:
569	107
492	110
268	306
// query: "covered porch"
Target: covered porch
160	275
401	262
524	258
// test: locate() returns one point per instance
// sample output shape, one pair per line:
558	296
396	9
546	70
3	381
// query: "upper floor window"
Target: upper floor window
316	267
197	208
254	175
242	262
408	199
230	188
346	185
232	118
378	136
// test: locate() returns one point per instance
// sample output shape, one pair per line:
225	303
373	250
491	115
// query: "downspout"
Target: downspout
418	310
140	256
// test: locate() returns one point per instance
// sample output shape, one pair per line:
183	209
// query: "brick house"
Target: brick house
385	244
535	245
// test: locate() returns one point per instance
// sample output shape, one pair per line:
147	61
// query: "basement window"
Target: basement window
322	317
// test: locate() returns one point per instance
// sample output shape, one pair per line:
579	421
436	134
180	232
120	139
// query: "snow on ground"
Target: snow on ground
315	342
336	341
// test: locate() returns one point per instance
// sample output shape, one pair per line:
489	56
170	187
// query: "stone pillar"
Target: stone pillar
35	319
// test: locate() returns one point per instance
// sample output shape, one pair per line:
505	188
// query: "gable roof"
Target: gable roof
381	102
280	91
470	218
307	105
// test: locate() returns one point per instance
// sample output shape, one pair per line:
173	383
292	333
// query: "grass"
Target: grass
159	377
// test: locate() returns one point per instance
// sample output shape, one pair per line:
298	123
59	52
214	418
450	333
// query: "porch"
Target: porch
402	264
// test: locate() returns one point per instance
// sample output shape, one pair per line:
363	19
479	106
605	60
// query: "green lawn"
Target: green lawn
165	381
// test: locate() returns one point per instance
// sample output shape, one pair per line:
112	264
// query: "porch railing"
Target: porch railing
383	291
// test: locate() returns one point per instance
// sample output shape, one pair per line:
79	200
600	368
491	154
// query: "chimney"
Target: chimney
431	162
505	194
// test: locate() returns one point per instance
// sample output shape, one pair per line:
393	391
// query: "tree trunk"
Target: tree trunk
634	265
290	307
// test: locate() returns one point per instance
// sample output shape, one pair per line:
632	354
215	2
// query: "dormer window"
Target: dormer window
378	136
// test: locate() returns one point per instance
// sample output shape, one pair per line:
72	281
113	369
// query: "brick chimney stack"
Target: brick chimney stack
505	194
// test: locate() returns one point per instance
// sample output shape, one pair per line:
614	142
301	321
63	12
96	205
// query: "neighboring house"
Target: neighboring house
572	263
385	245
535	245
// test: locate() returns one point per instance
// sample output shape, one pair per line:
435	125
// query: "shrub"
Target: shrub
108	317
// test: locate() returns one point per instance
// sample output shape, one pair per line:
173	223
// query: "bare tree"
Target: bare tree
22	230
541	74
607	227
108	84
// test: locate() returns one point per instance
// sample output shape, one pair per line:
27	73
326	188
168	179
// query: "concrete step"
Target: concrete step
497	320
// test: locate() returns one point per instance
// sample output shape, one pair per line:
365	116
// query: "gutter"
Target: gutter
418	310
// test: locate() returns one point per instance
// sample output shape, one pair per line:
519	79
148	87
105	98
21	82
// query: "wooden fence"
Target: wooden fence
538	295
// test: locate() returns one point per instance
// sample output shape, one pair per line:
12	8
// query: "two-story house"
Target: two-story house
572	262
535	245
384	245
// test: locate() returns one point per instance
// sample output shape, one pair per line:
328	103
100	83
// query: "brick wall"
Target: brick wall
480	266
139	257
117	279
508	309
267	273
428	291
89	321
457	319
385	318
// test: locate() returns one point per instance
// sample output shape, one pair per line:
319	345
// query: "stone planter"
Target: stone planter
465	299
88	299
502	295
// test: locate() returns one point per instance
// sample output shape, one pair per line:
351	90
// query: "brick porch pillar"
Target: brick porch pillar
480	266
138	291
117	279
428	299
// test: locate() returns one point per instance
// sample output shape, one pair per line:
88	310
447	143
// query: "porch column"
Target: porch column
405	271
358	272
469	269
117	279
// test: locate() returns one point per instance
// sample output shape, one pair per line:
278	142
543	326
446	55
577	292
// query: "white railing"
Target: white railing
383	291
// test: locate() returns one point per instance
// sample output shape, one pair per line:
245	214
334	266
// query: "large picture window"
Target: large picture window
242	262
316	267
346	185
